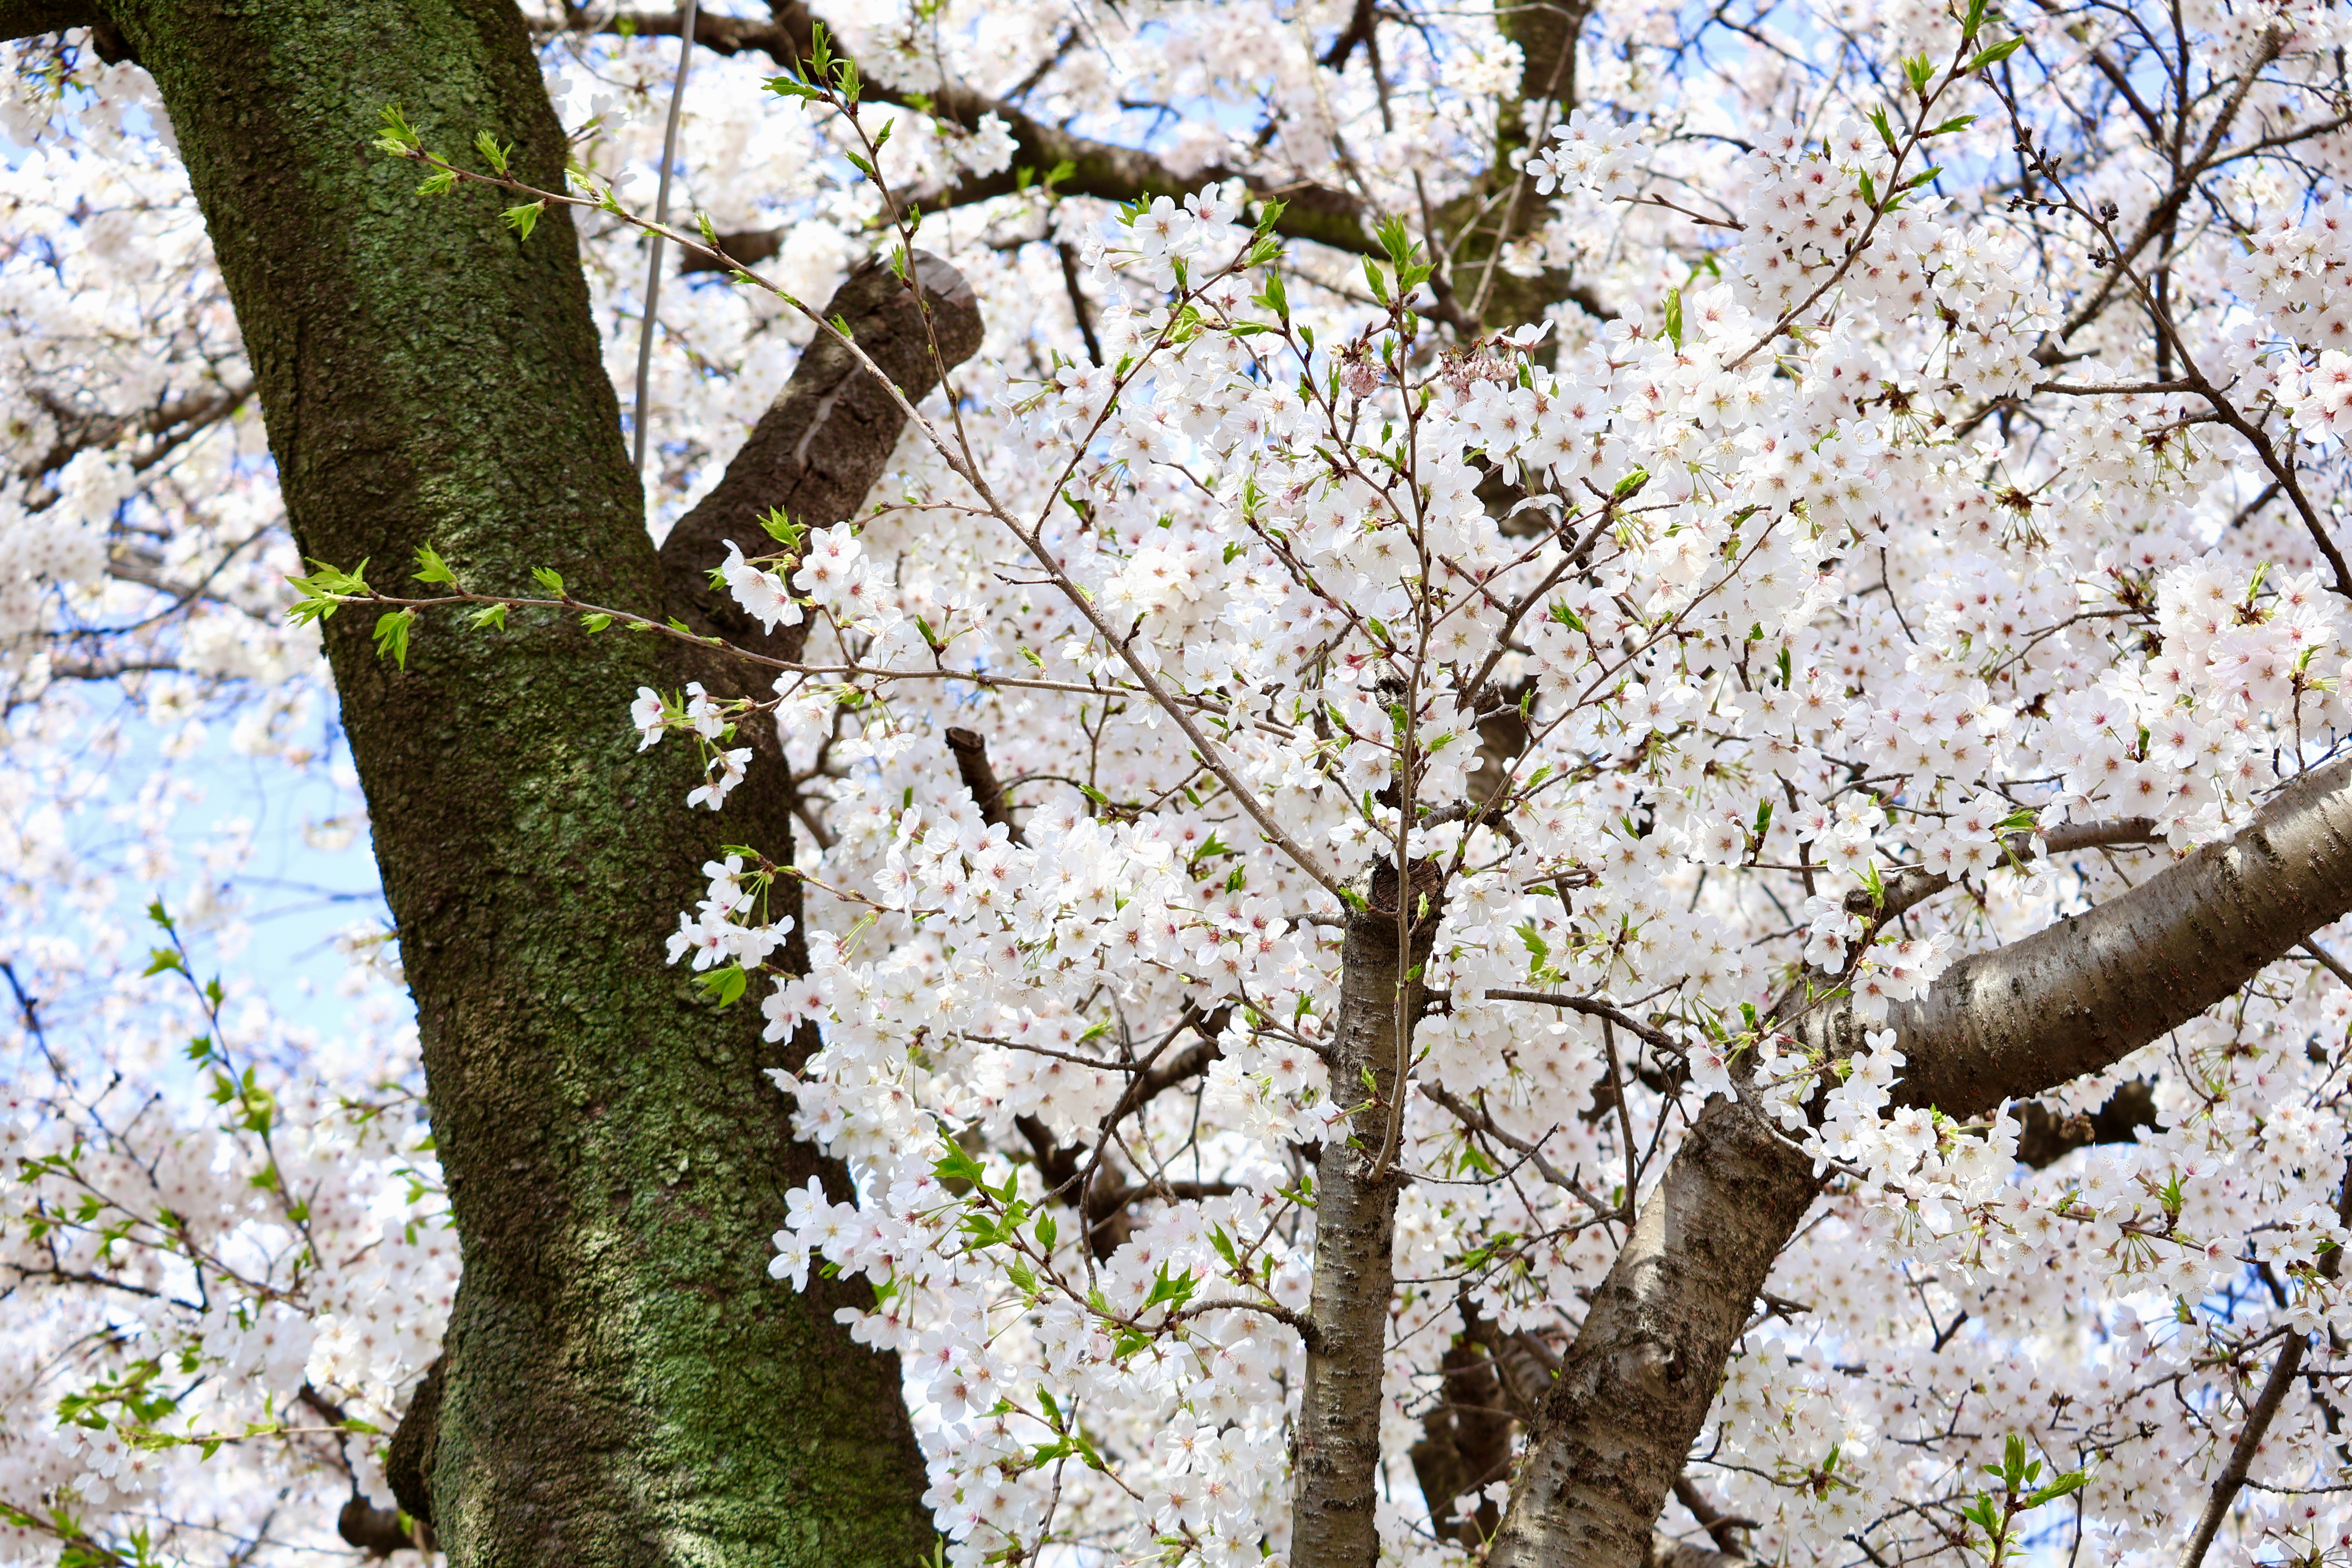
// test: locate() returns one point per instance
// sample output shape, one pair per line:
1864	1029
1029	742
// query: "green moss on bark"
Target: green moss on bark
625	1384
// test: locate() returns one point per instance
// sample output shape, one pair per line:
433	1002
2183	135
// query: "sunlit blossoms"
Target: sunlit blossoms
1807	496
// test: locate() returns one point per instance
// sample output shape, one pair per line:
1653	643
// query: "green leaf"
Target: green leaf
2059	1486
550	579
782	529
1225	1246
392	630
1273	297
524	218
1539	950
956	1165
1398	242
431	568
398	138
492	616
440	182
1675	315
492	154
1995	55
1175	1291
1958	122
325	589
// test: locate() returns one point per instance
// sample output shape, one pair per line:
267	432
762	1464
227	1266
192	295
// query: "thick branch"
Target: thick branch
2070	1000
1465	1438
2045	1137
970	749
1099	169
2079	996
825	439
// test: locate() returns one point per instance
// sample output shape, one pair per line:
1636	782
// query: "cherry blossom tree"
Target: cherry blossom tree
1557	785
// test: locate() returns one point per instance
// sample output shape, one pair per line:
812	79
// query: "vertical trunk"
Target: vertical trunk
1339	1457
623	1384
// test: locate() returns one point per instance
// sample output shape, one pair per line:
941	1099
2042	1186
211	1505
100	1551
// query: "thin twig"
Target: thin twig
661	216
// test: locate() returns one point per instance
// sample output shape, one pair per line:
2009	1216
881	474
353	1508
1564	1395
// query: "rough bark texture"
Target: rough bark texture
2014	1022
623	1384
1614	1431
1337	1467
2076	997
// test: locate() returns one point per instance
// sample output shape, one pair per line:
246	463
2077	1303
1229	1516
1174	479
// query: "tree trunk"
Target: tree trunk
2067	1001
1339	1459
623	1383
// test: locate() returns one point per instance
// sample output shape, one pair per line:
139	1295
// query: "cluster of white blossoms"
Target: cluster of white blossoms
1801	563
1758	636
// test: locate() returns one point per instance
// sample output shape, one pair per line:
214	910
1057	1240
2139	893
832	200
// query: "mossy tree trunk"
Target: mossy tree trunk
623	1384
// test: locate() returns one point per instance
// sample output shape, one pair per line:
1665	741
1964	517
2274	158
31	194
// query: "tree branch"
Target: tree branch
1099	169
2070	1000
1909	887
819	447
1338	1456
970	749
2267	1407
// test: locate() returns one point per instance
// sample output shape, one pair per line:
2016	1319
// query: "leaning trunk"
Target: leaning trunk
623	1383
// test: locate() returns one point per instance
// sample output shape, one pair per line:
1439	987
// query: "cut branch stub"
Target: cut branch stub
825	439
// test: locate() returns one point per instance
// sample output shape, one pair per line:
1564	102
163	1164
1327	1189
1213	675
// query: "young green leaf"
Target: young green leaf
392	630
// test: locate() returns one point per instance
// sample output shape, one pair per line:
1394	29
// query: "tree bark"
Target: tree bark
825	439
2067	1001
622	1384
1337	1467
